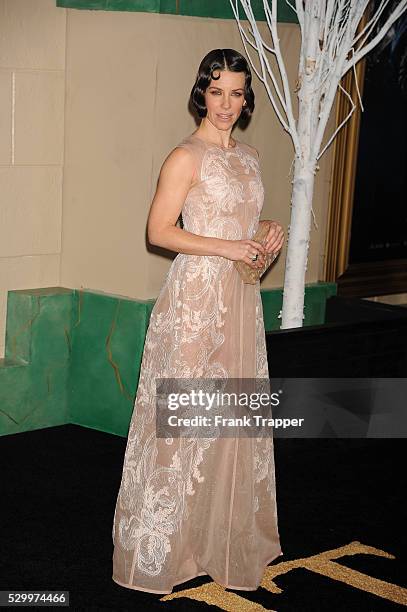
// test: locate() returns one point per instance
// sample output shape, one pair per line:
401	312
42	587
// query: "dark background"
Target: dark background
379	221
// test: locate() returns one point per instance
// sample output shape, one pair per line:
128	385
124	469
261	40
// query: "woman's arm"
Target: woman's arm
174	182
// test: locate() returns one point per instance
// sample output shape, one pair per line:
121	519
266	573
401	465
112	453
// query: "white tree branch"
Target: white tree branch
362	51
370	24
272	24
291	6
266	74
342	124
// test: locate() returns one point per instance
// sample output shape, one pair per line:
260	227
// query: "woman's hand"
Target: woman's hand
275	238
244	250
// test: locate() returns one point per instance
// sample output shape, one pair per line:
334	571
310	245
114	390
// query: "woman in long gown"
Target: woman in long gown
193	506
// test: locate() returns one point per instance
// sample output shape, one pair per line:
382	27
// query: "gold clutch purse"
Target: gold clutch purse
251	275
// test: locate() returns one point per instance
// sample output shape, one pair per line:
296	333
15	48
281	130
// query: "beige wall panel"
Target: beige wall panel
32	34
109	135
25	273
30	210
5	116
39	117
103	239
32	58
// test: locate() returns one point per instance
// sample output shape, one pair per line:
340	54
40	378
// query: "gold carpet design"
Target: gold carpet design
322	563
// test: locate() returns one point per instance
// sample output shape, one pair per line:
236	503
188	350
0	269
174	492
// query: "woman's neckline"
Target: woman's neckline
215	144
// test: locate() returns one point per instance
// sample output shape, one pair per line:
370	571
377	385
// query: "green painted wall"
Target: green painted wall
34	373
220	9
108	341
74	356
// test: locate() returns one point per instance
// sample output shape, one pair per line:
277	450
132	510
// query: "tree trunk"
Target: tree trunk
301	205
298	244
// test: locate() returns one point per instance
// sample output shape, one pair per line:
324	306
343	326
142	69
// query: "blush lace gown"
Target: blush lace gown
193	506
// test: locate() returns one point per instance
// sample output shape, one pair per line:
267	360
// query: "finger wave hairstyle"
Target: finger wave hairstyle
221	59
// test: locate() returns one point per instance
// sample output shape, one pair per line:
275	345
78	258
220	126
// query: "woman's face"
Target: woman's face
224	98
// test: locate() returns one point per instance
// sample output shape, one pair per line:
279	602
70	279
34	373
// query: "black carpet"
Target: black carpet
59	488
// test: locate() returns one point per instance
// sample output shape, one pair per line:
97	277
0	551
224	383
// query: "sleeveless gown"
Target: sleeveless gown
188	507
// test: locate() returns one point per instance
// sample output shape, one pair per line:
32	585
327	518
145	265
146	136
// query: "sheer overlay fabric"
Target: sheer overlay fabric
193	506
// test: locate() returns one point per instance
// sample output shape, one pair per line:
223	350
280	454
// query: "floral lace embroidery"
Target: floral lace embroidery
180	343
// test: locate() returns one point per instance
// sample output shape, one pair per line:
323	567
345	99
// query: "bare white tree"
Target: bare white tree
329	48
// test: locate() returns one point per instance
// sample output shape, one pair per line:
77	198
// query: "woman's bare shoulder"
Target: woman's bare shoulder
179	165
179	156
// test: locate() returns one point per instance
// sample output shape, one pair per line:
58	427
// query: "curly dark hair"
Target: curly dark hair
221	59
